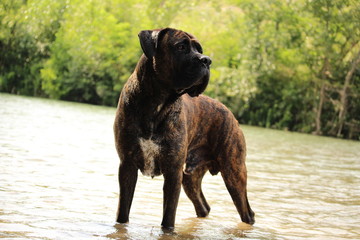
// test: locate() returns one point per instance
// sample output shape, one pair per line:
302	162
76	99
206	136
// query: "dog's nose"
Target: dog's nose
206	60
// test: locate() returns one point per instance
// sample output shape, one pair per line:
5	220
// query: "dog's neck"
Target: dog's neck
150	86
157	101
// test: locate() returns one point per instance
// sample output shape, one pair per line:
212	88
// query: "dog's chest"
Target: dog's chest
150	151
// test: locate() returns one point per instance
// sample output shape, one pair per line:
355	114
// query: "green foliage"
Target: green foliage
278	64
87	55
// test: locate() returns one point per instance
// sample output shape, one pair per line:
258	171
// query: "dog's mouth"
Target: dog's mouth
193	77
196	88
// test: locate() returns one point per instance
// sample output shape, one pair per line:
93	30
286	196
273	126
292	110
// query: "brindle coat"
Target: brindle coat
162	124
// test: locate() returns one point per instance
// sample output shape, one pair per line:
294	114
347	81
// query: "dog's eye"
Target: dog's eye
181	47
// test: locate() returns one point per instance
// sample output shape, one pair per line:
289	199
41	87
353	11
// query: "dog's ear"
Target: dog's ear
149	40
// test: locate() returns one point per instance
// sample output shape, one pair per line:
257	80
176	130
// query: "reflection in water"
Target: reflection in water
58	180
192	228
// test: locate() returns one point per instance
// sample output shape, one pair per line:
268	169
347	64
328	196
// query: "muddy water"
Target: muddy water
58	180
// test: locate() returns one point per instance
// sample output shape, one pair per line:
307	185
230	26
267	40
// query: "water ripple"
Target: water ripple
58	180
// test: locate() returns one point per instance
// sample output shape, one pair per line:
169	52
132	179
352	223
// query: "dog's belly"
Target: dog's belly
150	150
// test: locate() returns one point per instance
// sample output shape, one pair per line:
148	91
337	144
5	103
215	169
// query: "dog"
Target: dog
163	126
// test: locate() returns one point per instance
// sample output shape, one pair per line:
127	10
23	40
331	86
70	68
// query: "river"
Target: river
58	180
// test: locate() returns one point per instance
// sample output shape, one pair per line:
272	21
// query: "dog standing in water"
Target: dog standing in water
164	126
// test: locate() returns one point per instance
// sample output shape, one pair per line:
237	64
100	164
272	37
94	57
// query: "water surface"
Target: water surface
58	180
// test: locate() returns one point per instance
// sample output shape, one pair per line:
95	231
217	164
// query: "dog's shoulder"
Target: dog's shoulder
205	104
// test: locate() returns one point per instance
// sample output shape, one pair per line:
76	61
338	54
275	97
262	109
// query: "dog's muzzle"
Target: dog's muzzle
206	60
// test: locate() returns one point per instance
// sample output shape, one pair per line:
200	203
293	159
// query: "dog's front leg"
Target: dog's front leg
172	187
128	174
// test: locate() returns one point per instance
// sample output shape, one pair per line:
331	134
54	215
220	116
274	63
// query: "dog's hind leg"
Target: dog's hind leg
192	187
235	179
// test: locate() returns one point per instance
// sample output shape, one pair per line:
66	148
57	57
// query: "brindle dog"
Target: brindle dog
163	124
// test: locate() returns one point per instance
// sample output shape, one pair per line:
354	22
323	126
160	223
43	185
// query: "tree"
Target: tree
332	39
344	92
88	55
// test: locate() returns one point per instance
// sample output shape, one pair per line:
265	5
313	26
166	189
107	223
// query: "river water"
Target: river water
58	180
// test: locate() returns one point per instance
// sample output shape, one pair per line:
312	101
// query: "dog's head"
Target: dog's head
177	60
